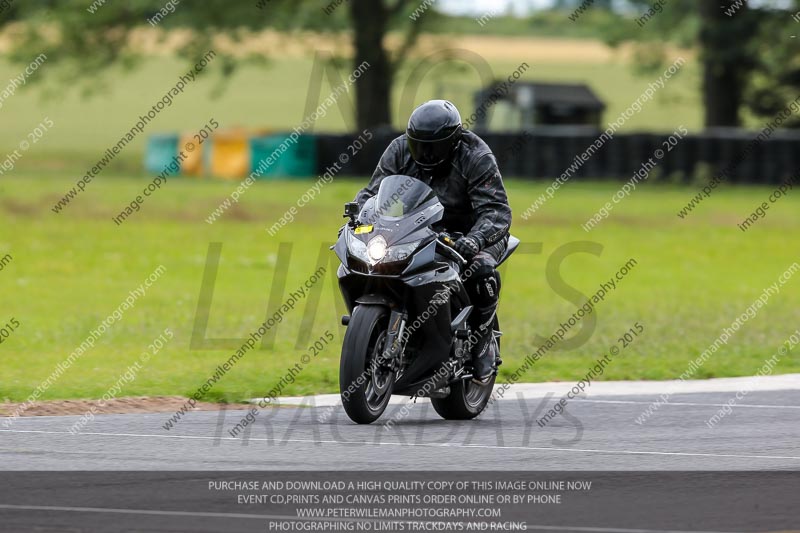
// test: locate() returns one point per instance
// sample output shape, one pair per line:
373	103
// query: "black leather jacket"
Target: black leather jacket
470	187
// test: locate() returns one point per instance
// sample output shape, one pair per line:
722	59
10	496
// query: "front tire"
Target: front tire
364	393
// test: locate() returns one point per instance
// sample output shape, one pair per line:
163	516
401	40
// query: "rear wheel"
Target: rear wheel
365	385
467	399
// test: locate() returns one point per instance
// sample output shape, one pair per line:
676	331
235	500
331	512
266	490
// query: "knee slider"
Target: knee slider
487	288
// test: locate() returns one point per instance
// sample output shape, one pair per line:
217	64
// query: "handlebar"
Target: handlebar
445	245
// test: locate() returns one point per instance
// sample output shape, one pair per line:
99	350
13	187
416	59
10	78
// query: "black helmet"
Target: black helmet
434	132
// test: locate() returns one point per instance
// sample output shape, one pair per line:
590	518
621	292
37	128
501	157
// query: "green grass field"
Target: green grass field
69	271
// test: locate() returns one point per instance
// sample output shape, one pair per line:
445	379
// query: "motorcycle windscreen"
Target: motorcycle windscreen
399	196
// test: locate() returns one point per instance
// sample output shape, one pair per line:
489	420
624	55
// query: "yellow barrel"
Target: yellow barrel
230	154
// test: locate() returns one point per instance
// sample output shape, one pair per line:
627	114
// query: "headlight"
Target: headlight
357	249
400	252
376	249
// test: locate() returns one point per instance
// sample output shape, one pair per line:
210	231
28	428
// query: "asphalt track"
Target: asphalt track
598	434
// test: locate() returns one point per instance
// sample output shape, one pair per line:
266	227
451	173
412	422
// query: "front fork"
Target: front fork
394	348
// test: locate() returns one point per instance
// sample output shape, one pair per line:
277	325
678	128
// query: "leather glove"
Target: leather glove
468	247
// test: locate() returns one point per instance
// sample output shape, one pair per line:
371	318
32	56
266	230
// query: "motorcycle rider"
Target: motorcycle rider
463	172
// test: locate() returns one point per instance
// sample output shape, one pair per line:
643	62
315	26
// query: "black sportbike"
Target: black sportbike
407	331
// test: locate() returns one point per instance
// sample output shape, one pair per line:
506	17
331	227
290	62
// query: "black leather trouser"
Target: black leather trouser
483	283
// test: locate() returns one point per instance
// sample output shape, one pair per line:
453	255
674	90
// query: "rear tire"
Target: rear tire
363	344
465	401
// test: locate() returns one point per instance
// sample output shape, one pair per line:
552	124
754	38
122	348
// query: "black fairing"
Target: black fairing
404	212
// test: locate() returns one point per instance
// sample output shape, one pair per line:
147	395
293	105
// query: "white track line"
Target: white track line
752	406
404	400
783	382
137	511
420	445
289	517
612	530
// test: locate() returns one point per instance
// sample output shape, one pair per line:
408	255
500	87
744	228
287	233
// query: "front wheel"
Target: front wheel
365	385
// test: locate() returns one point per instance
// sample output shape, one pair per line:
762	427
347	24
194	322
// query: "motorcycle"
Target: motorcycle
408	331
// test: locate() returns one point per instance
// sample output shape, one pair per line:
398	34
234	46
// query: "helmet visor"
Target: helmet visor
429	154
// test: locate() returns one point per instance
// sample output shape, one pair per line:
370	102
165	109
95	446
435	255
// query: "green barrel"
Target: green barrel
160	152
295	159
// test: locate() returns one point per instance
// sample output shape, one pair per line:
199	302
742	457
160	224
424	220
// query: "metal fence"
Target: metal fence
546	153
